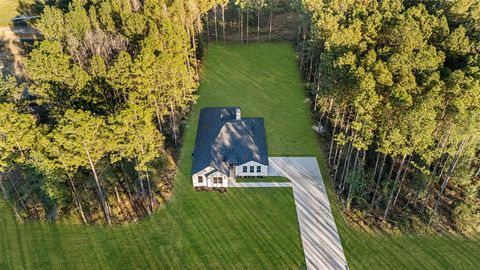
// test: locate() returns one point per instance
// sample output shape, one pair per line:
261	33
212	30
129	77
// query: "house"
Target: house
228	146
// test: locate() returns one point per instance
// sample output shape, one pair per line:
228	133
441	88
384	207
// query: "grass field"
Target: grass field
8	10
244	228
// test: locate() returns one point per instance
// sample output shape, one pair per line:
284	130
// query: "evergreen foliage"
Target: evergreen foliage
397	84
109	86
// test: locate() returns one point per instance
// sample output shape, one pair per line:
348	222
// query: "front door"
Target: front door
232	172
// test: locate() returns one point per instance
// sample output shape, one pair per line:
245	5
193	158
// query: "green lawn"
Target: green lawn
244	228
7	9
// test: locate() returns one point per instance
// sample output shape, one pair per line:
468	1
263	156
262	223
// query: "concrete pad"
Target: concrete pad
259	184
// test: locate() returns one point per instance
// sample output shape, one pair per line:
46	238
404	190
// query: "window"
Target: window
244	168
259	168
217	180
252	168
200	179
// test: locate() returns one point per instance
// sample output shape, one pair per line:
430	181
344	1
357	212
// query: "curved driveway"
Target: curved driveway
321	242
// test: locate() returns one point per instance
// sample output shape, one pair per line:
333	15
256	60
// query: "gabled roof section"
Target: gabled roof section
222	139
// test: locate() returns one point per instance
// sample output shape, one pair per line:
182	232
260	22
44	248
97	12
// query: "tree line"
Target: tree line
247	20
396	86
90	136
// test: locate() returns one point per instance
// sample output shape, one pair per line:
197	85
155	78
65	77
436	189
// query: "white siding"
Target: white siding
208	181
201	173
211	183
263	171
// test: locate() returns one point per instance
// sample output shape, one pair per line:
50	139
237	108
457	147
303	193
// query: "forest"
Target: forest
396	86
91	136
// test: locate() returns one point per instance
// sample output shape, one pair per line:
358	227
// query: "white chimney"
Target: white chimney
238	114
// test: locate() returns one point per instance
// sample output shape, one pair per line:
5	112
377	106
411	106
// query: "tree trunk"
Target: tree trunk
74	190
389	177
142	189
208	28
271	22
349	199
416	199
21	149
240	11
174	125
258	25
119	202
126	188
297	44
336	162
18	194
390	198
333	138
310	65
405	172
223	23
447	178
194	51
101	196
424	204
150	193
157	114
247	23
346	163
324	112
355	162
315	107
215	20
6	199
379	177
376	165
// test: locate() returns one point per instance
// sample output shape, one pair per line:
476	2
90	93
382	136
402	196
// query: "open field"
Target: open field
8	10
244	228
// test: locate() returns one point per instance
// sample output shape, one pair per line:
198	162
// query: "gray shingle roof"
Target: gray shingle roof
222	139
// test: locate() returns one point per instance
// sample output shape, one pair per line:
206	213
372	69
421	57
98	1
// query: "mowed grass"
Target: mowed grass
245	228
8	10
242	229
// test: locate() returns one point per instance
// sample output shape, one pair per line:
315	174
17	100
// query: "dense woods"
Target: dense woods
91	135
397	98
